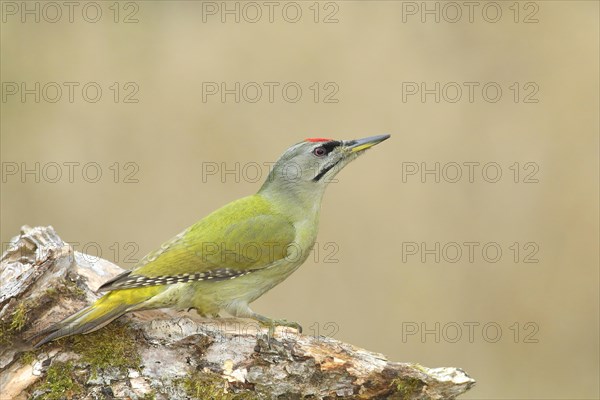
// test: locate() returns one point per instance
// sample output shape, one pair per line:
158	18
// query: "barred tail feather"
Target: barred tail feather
103	311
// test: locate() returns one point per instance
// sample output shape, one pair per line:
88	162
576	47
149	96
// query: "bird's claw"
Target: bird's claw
282	322
274	323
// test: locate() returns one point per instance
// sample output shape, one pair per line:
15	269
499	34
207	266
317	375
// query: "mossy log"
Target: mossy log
171	355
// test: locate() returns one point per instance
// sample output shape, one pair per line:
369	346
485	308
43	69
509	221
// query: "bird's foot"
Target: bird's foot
271	324
274	323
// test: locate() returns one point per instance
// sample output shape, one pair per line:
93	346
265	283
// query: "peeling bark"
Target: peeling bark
164	355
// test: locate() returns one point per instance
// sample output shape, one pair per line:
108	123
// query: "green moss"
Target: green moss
58	384
28	357
65	288
16	323
5	339
407	387
22	312
208	385
420	368
18	317
205	386
149	396
73	290
112	346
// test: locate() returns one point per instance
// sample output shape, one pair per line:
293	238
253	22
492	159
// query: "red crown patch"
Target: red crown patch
318	139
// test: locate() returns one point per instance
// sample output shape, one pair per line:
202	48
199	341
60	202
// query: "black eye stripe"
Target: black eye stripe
329	146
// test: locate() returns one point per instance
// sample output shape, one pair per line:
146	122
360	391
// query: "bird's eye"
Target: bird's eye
319	151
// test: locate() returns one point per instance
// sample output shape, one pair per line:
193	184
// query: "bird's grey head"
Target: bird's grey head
308	166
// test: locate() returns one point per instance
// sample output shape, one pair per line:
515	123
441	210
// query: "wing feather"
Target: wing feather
242	237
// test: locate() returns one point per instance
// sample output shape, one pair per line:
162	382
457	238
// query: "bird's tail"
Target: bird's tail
109	307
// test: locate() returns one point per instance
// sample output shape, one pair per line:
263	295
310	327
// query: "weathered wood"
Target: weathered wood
170	355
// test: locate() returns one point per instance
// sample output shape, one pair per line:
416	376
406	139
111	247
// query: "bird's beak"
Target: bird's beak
358	145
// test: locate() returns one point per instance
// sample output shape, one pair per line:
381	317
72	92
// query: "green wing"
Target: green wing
243	236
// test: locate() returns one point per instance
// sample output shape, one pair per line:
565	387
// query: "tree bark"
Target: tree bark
170	355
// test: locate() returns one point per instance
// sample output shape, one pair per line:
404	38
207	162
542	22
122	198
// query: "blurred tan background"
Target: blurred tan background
378	292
